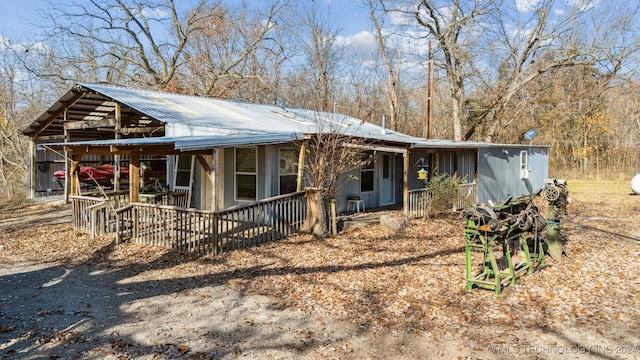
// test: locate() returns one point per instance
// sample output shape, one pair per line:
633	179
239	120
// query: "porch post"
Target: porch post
66	163
212	173
134	177
303	148
405	181
32	168
214	180
116	158
74	174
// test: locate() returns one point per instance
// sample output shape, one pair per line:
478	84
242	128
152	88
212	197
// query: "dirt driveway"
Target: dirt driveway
63	295
363	294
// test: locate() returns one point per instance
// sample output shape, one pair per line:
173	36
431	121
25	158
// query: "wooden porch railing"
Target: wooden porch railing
93	214
466	196
208	232
90	214
419	203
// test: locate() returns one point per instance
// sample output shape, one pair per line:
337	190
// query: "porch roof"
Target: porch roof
171	145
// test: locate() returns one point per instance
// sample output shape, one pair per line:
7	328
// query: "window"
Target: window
246	177
524	165
288	170
183	171
367	172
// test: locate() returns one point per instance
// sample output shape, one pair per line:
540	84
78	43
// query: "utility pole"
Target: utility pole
430	96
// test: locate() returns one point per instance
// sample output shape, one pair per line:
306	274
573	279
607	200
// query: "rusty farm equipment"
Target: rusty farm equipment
516	230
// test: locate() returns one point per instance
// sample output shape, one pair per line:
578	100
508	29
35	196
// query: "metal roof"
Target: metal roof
241	117
148	113
448	144
188	143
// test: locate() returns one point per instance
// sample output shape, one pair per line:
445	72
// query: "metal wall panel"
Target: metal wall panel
499	174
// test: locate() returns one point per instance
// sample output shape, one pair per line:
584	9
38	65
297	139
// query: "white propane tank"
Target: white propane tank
635	184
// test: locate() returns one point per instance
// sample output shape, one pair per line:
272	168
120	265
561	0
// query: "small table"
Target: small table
355	204
153	198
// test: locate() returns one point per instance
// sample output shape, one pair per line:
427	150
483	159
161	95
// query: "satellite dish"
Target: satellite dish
529	135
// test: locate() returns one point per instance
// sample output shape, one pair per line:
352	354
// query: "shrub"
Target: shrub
442	188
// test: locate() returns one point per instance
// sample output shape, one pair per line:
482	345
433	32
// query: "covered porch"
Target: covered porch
166	217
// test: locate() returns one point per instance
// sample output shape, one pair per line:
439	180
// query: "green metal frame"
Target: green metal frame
490	276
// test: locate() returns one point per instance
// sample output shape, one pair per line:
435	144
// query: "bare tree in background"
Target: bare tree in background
317	35
492	43
584	37
19	102
452	24
392	67
225	48
117	41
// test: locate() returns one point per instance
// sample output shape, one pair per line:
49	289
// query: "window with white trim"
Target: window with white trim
246	173
524	165
288	171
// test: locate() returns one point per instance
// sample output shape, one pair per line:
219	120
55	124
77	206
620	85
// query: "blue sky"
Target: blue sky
17	16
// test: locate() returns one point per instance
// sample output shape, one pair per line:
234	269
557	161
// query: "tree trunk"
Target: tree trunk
316	222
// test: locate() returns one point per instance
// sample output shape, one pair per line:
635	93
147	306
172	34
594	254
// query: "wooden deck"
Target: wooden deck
208	232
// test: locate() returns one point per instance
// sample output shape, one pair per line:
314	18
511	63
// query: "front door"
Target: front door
388	193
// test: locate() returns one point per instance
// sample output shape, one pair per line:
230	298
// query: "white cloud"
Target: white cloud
526	5
364	40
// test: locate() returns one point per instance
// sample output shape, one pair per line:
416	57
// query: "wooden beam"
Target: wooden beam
74	174
134	177
116	158
301	155
90	124
214	180
405	185
66	165
204	164
55	114
50	137
32	168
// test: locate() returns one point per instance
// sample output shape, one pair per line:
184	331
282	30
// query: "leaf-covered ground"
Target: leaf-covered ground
408	288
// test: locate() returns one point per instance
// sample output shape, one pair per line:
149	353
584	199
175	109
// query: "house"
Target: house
224	153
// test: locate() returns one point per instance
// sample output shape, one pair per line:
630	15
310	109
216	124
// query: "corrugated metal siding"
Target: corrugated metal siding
48	162
499	173
445	163
466	165
414	166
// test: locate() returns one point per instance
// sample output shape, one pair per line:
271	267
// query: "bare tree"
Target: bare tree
117	41
452	24
497	49
318	31
392	69
331	153
19	103
586	36
229	48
